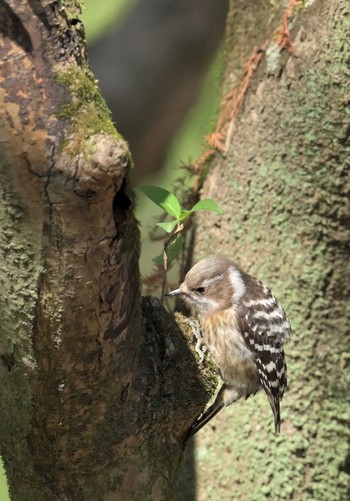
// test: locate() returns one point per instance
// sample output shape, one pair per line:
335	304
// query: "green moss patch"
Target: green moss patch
87	111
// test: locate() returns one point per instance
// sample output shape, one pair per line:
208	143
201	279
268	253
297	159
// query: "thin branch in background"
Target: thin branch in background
219	140
283	40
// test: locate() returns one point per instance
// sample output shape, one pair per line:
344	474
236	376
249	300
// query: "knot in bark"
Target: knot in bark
101	166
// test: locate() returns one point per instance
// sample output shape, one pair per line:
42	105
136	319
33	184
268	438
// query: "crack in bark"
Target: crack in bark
39	11
14	28
121	206
9	361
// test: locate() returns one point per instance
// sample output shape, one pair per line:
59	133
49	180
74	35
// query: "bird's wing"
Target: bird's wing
264	326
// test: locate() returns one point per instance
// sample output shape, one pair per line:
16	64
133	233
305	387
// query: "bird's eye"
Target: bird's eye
200	290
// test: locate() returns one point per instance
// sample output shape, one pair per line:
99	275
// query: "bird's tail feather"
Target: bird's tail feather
275	406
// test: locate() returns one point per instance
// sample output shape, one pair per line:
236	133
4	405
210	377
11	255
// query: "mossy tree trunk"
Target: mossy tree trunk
284	184
92	406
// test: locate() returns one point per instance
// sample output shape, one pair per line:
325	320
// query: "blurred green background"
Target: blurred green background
187	144
186	147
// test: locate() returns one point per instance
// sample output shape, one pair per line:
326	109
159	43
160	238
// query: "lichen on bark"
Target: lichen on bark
286	199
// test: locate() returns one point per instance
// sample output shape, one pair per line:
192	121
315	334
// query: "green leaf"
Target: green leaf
207	204
184	214
163	198
173	251
168	226
158	259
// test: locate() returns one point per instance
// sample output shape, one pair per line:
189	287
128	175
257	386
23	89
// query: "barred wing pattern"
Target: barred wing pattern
265	326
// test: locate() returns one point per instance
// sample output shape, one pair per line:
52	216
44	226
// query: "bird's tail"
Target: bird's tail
275	406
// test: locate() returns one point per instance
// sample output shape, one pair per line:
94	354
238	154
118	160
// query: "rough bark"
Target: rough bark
284	185
92	405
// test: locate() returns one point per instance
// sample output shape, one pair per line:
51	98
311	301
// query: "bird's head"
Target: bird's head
213	284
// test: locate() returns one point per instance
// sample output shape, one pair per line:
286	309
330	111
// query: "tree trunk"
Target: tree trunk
92	405
98	387
284	185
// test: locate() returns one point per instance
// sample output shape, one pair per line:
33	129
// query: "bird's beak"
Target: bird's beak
175	292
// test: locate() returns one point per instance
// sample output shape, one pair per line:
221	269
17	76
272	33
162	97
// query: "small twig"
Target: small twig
217	141
165	271
168	241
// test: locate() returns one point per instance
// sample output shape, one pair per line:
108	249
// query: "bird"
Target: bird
244	327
